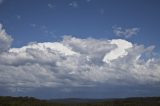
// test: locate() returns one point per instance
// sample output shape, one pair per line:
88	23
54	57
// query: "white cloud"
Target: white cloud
57	47
119	51
127	33
77	62
5	40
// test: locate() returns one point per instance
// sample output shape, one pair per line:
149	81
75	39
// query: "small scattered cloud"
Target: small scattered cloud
102	11
44	29
33	25
88	1
1	1
125	32
18	17
50	5
73	4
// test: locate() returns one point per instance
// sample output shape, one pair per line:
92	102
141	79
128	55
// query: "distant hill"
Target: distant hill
30	101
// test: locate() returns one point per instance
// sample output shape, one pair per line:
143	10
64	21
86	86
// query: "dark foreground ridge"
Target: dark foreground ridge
30	101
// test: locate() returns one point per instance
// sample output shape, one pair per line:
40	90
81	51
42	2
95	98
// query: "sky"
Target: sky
79	48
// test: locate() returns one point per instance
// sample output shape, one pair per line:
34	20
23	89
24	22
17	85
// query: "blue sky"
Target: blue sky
30	24
88	19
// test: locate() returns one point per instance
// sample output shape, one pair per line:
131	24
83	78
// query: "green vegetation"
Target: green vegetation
30	101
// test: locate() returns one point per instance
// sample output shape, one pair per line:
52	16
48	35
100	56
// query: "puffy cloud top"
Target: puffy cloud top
55	47
119	51
5	40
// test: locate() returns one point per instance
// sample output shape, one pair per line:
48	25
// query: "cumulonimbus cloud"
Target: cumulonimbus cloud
76	62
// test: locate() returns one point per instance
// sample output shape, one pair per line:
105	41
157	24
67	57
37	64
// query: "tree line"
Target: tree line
30	101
